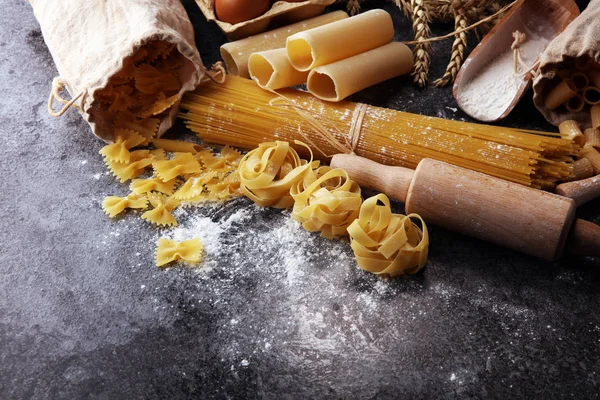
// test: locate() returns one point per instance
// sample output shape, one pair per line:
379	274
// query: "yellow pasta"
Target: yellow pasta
238	113
177	146
271	69
160	105
124	139
145	127
582	169
150	80
592	155
181	164
268	172
386	243
194	186
592	136
595	114
113	205
225	187
580	80
326	200
142	186
168	251
575	103
138	161
591	95
570	130
561	93
161	213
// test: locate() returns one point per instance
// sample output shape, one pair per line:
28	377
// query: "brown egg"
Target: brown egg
236	11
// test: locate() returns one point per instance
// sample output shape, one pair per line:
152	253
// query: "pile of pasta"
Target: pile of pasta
579	90
142	92
326	200
335	60
588	163
175	173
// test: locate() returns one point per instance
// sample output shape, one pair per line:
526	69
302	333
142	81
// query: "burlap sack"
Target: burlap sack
89	39
579	42
280	13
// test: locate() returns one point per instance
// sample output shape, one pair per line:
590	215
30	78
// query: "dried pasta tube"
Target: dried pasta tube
595	114
561	93
336	81
591	95
236	54
177	146
594	75
340	39
271	69
582	169
592	136
580	80
592	155
570	130
575	103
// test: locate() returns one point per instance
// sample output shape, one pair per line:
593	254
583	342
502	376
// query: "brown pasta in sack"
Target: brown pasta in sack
121	61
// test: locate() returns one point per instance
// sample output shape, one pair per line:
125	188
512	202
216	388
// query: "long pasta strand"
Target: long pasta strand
238	113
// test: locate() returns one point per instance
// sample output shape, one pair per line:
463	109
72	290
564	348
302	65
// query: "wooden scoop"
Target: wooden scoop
527	16
505	213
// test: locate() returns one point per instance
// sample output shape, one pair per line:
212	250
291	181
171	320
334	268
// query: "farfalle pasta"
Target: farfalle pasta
326	200
139	160
168	251
268	172
118	151
181	164
161	213
387	243
114	205
142	186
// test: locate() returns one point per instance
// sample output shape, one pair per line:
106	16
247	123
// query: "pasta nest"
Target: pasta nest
268	172
326	200
387	243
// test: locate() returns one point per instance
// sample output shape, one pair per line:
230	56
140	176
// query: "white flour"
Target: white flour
488	94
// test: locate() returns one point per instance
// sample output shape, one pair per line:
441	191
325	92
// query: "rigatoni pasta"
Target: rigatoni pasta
575	103
592	137
560	94
592	155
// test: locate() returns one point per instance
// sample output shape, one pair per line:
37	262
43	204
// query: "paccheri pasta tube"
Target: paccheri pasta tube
339	40
236	54
114	56
271	69
338	80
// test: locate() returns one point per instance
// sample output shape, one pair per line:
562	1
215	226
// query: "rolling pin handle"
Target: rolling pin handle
584	239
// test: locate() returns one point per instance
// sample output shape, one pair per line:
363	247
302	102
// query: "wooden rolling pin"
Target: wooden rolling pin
581	191
508	214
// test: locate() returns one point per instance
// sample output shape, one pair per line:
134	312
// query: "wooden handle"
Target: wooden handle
584	239
581	191
393	181
508	214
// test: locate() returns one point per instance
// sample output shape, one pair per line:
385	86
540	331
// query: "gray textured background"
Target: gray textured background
275	312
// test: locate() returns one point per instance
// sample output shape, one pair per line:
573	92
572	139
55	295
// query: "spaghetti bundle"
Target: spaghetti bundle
240	114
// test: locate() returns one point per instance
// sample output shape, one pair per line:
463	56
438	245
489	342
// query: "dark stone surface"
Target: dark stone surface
275	312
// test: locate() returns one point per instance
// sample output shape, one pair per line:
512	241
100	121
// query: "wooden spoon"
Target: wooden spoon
526	16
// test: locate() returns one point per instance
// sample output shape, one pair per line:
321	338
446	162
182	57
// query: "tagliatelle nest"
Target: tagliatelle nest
425	12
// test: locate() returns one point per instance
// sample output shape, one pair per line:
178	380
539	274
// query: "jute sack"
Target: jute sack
577	48
91	40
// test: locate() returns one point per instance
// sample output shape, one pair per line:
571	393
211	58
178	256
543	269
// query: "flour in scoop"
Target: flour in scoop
490	92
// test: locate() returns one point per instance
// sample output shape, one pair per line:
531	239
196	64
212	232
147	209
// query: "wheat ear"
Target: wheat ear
353	7
458	50
405	6
421	19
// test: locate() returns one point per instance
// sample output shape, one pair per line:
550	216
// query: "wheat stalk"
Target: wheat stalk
458	50
421	19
